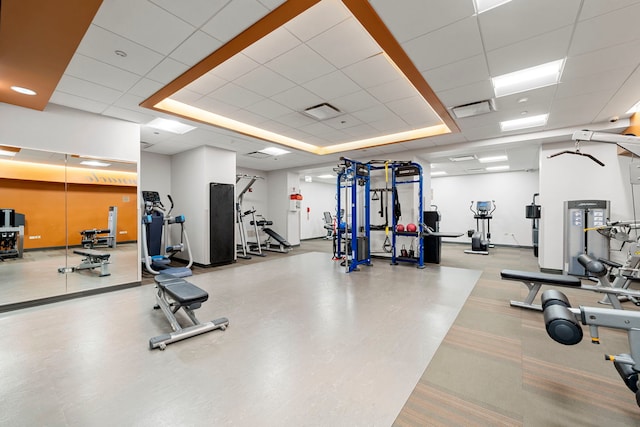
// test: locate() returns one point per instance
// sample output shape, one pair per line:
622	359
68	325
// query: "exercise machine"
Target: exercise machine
562	323
92	259
329	225
481	236
102	236
532	212
274	241
157	248
580	217
615	292
11	234
173	294
246	248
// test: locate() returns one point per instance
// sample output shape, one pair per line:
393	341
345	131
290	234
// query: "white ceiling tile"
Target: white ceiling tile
272	45
600	60
608	80
624	99
317	128
449	44
130	102
198	46
297	98
271	4
101	45
269	109
206	84
355	101
77	102
144	23
543	96
393	90
460	73
408	19
390	124
235	95
372	71
74	86
295	120
208	103
538	50
167	70
145	88
519	20
332	85
235	17
317	19
592	8
195	12
373	114
414	106
466	94
234	67
89	69
361	131
128	115
300	65
606	30
265	82
343	122
186	96
249	117
345	44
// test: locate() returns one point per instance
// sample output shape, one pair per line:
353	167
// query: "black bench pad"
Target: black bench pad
93	253
184	293
545	278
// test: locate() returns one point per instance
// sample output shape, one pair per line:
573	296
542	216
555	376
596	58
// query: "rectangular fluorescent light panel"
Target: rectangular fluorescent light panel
307	178
172	126
524	123
497	168
493	159
438	173
95	163
326	176
462	158
274	151
485	5
528	79
7	153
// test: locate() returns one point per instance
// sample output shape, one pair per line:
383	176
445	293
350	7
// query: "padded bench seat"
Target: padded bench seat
184	293
546	278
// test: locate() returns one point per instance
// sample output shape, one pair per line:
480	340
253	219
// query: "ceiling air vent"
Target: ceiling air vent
473	109
145	145
322	111
258	155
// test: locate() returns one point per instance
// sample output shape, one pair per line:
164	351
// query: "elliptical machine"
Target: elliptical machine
481	236
157	248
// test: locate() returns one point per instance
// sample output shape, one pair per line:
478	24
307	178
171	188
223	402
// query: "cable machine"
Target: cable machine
245	248
354	193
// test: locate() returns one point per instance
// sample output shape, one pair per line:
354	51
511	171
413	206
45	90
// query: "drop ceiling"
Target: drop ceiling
454	50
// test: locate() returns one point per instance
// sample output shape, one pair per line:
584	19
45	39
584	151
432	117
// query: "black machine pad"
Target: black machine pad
93	254
546	278
184	293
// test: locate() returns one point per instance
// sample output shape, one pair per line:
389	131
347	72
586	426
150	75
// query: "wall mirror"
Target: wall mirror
68	225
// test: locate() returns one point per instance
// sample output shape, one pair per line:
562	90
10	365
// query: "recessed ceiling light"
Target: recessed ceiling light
528	79
524	123
523	100
326	176
95	163
492	159
438	173
172	126
274	151
121	53
485	5
462	158
23	90
497	168
307	178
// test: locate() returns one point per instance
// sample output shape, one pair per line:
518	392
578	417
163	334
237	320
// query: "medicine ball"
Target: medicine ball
400	227
411	228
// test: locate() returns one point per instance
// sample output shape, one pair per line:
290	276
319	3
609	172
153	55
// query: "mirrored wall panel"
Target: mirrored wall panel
67	224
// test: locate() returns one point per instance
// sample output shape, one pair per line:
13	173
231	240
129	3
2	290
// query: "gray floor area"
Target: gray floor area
307	344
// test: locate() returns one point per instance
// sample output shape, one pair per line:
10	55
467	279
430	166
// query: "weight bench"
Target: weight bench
92	259
174	294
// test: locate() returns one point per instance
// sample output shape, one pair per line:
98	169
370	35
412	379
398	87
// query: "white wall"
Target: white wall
257	197
318	198
512	191
571	177
191	173
155	174
285	221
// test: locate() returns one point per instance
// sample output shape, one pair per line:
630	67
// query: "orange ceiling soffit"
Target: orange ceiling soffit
370	22
37	40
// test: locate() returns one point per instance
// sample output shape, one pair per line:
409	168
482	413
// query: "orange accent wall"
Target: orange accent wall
634	122
45	206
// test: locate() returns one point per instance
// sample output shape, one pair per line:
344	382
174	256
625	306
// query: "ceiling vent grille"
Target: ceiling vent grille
322	111
258	155
473	109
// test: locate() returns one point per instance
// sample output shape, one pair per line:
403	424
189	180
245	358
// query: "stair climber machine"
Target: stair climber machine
481	236
157	248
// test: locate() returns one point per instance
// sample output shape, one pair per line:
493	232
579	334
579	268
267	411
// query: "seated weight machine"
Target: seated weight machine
563	325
